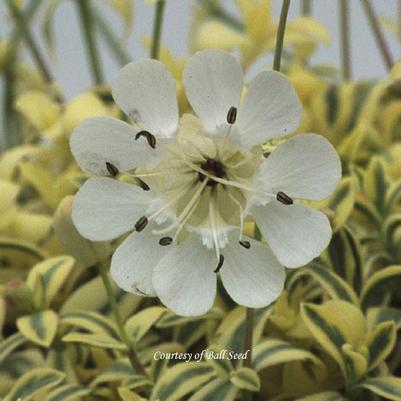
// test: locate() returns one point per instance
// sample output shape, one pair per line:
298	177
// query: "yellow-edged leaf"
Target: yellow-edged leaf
53	272
218	389
67	392
9	344
95	340
40	327
387	386
32	382
246	379
181	380
139	324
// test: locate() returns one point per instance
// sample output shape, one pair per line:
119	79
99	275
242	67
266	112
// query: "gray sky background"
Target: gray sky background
71	70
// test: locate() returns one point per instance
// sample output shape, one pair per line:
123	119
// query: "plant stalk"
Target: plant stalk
345	40
157	29
378	34
132	355
280	35
306	7
88	32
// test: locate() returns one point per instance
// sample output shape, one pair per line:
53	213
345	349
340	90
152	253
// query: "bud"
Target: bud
19	296
86	252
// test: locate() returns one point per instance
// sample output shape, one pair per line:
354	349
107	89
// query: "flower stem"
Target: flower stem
110	38
157	29
306	7
280	35
378	33
87	28
248	344
345	40
132	355
36	55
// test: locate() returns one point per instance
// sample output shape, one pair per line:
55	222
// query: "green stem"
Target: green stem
248	345
157	29
280	35
306	7
112	41
215	10
87	28
378	34
32	46
345	40
132	355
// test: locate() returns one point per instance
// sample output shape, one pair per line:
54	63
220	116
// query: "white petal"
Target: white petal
146	92
184	279
105	139
306	166
253	277
104	208
134	260
295	233
271	108
213	83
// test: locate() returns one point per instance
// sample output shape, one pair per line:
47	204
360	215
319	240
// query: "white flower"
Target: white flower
206	174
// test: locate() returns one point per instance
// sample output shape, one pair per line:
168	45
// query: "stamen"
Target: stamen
188	209
141	224
284	198
149	137
232	115
165	241
213	227
245	244
144	186
220	264
112	169
241	211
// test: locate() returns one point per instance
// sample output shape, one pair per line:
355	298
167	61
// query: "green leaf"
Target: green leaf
380	342
336	287
116	372
337	326
91	321
375	184
95	340
68	392
387	386
393	196
383	314
139	324
246	379
170	319
8	345
345	257
32	382
380	285
40	327
218	389
53	273
136	381
325	396
181	380
274	352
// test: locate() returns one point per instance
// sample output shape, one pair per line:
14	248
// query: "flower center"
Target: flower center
214	168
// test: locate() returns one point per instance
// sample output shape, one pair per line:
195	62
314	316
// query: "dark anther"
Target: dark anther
141	292
112	169
149	137
165	241
141	223
220	264
284	198
144	186
245	244
232	115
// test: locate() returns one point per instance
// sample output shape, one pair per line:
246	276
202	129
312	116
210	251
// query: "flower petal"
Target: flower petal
271	108
253	277
184	279
306	166
134	260
213	82
296	233
104	208
146	92
105	139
